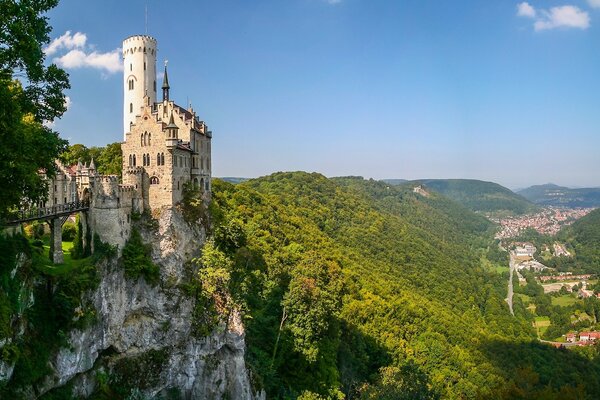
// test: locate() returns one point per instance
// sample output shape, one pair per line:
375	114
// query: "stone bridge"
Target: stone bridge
55	216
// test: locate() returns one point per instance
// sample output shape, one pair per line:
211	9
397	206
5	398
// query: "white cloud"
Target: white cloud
563	17
594	3
556	17
108	62
525	9
66	41
82	55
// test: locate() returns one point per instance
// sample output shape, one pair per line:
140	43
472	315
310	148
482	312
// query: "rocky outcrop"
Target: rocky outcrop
135	320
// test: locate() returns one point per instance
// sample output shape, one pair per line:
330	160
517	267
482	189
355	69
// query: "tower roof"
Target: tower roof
165	84
172	123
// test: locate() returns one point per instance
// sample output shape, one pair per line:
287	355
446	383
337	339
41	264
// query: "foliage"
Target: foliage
193	207
583	236
69	230
108	159
30	94
137	259
214	274
58	308
354	285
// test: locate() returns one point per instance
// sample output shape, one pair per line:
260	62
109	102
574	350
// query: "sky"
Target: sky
498	90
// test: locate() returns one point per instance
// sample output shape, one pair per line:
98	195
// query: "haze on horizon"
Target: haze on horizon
503	91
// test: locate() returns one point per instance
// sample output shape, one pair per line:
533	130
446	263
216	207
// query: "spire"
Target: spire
165	85
92	165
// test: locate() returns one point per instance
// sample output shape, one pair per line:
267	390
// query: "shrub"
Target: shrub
137	260
69	230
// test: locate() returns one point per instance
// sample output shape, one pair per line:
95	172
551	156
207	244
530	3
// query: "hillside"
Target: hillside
583	236
560	196
376	291
480	195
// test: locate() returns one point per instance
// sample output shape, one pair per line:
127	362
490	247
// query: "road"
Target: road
509	298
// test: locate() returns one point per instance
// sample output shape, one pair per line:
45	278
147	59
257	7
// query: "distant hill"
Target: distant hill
480	195
394	181
560	196
234	180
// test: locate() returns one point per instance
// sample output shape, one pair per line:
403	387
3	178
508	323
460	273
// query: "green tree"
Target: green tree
110	159
30	94
312	302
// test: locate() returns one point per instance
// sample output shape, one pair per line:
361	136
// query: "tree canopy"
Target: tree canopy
31	96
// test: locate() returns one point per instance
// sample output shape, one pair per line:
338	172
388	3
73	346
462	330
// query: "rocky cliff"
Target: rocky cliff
143	337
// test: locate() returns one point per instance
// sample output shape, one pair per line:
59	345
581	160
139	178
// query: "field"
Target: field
541	324
564	301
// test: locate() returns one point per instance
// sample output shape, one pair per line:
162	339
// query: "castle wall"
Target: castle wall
110	211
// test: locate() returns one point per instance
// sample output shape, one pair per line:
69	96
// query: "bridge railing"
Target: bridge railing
32	214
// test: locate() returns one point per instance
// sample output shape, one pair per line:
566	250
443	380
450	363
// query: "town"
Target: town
548	221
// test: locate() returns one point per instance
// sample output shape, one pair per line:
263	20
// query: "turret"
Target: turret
172	133
139	76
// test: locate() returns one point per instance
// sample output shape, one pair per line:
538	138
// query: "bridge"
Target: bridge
55	216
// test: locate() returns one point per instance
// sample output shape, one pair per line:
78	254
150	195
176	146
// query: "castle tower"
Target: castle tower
139	76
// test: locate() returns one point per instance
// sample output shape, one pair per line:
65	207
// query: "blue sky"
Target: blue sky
495	90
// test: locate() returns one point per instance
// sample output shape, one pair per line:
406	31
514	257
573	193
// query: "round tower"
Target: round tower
139	76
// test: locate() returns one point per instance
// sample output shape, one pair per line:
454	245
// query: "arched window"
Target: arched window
158	159
202	183
154	180
134	160
144	160
142	139
130	160
148	159
149	139
162	158
130	107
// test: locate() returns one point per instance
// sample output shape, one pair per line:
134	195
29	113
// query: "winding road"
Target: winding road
509	298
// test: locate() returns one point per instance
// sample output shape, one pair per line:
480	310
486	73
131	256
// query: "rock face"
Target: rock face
136	321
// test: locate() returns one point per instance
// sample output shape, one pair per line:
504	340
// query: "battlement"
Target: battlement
134	170
126	188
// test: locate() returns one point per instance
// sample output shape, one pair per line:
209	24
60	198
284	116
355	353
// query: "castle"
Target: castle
165	148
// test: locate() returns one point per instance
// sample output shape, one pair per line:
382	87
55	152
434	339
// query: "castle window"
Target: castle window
130	160
149	138
131	84
130	107
134	160
144	64
148	159
144	160
154	180
131	67
142	139
157	158
155	85
162	158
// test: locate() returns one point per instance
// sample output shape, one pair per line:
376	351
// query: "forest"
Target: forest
355	288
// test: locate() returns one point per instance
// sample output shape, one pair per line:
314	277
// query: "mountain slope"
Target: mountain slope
560	196
357	286
583	236
480	195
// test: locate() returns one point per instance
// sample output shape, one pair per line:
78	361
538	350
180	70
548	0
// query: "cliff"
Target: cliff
144	339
